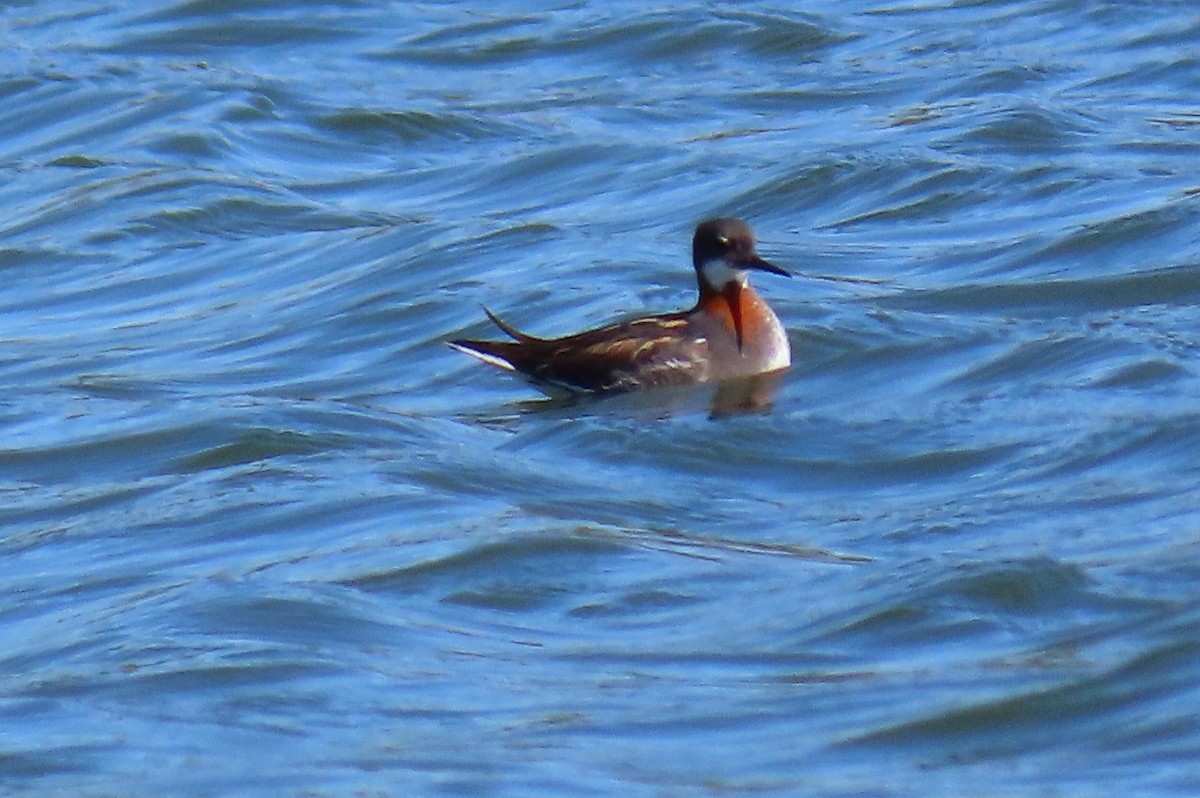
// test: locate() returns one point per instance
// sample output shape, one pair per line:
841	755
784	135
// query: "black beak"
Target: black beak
755	262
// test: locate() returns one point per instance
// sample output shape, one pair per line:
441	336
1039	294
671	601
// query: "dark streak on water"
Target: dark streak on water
263	534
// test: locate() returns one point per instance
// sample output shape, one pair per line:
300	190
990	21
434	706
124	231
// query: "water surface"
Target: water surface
263	534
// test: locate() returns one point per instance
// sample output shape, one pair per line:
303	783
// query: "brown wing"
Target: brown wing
656	351
645	353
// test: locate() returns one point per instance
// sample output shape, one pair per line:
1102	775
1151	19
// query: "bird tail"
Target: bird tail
505	354
497	353
509	330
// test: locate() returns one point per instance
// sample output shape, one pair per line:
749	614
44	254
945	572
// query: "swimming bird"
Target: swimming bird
730	333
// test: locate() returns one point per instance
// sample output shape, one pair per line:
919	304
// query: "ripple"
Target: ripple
1171	286
656	35
1144	373
409	126
1019	724
512	574
1028	130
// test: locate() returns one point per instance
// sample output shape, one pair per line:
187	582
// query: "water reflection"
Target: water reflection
746	395
735	397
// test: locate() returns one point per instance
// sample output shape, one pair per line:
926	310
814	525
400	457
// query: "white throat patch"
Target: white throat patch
718	274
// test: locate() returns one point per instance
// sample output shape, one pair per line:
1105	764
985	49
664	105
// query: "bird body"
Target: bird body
731	332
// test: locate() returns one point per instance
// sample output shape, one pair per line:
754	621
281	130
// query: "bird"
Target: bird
730	333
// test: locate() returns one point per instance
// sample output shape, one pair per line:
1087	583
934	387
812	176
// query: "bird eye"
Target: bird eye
723	240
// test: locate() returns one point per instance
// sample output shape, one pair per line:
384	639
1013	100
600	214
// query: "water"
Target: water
262	534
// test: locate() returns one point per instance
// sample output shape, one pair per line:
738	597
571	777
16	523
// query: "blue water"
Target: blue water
263	534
